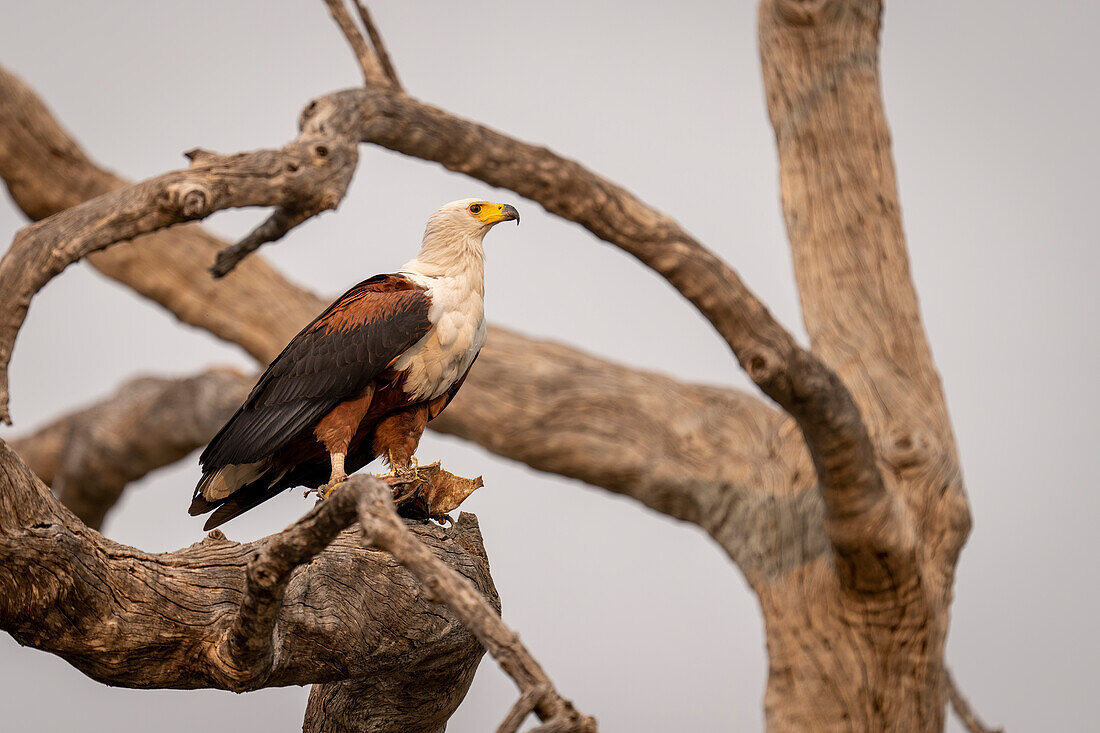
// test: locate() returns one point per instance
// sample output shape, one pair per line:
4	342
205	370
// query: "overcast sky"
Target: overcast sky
643	621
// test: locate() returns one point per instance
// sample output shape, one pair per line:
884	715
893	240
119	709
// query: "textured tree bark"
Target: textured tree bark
131	619
869	658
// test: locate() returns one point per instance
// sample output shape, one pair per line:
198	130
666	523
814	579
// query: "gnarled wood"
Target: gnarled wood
134	619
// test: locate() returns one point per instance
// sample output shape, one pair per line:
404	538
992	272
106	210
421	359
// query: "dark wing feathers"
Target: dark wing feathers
333	359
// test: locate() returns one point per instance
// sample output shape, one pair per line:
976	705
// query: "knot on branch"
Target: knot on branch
762	365
216	537
191	200
906	446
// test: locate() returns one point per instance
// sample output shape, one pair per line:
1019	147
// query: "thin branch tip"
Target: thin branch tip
962	708
369	62
379	46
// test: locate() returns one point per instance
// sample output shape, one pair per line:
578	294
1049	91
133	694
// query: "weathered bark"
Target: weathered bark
873	659
133	619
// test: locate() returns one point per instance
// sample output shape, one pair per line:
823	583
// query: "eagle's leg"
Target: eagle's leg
337	477
335	431
396	438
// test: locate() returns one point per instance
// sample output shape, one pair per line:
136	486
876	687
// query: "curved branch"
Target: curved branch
383	529
867	525
315	168
259	309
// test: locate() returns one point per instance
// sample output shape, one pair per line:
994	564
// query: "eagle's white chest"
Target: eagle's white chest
437	361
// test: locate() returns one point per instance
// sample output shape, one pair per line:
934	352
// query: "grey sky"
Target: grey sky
642	620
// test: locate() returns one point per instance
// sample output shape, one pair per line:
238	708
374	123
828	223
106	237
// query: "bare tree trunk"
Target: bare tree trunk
865	657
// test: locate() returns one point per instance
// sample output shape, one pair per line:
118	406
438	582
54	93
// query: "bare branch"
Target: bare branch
868	526
369	62
856	501
314	169
382	529
89	456
699	471
379	46
962	707
274	228
47	172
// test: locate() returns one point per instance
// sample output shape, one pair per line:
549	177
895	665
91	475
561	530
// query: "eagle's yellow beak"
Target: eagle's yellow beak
496	213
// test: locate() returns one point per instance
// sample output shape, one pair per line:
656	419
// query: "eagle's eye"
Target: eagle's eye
475	208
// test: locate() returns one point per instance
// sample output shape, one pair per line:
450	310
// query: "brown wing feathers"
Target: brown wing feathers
333	359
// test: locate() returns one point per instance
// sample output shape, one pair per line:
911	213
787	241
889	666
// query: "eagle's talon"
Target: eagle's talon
324	491
406	474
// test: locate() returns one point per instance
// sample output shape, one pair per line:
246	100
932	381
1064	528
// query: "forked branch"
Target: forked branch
245	652
383	529
314	170
370	63
379	45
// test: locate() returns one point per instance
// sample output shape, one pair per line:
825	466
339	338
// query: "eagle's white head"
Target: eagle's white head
452	238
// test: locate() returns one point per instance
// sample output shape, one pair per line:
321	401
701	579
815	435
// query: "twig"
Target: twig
274	228
379	45
369	63
962	708
383	529
524	706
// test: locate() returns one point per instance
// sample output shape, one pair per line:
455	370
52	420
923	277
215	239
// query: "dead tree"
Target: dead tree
840	498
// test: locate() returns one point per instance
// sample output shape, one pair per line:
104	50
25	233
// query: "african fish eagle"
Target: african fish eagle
364	378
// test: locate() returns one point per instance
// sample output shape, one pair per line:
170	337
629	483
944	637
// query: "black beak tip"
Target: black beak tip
510	213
